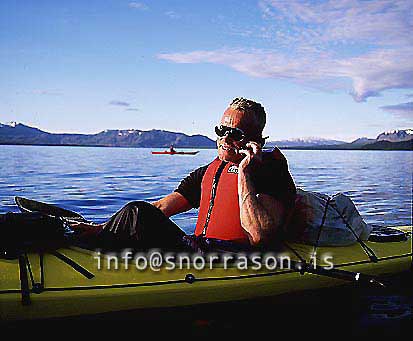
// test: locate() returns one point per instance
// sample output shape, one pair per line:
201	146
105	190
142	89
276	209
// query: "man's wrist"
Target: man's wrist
246	195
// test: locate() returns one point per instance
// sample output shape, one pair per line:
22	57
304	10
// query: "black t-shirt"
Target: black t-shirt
271	177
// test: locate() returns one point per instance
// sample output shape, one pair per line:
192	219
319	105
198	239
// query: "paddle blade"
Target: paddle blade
28	205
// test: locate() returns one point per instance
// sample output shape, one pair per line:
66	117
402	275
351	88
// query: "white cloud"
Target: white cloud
384	22
327	44
172	15
138	5
380	70
370	73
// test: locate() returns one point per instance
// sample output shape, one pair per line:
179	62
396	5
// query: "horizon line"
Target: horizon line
11	123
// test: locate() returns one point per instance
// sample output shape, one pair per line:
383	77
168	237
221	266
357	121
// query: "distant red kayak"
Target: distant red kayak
176	153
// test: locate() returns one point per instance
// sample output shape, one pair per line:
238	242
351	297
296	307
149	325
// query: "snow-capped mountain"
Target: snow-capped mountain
396	135
9	124
305	142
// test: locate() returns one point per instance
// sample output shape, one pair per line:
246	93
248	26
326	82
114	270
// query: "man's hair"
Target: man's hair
249	106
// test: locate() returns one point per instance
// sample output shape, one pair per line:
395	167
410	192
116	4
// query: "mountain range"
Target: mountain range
18	133
392	140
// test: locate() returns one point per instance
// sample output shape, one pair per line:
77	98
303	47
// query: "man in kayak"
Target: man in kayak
171	148
244	196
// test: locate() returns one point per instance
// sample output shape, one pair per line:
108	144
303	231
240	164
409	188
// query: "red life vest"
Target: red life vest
222	220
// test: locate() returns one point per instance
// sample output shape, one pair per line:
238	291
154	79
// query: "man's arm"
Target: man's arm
172	204
185	197
261	215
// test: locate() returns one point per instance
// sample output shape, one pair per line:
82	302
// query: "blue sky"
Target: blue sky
332	69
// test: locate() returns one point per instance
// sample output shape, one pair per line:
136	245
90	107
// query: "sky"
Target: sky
330	69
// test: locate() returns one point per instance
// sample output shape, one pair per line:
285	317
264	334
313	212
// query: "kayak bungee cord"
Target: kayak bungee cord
25	266
319	231
36	287
42	270
73	264
369	252
24	281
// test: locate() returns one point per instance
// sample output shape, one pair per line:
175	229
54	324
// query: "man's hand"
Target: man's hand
253	153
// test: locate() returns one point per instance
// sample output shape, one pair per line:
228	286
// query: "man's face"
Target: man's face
228	147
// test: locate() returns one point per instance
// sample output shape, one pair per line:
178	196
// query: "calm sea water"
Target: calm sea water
97	182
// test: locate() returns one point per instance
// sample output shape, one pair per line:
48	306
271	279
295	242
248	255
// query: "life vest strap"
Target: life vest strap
213	195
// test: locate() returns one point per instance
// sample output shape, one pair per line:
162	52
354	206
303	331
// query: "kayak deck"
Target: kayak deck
69	293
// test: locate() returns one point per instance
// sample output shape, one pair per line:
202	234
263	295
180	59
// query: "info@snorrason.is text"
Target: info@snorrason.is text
156	260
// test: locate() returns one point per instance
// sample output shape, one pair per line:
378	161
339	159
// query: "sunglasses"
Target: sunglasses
235	134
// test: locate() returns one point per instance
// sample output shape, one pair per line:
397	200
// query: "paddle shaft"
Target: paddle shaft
336	273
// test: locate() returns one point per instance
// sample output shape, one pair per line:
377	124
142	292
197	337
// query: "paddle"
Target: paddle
27	205
336	273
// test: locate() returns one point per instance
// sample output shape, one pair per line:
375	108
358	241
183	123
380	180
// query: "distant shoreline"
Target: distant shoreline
95	146
328	147
20	134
